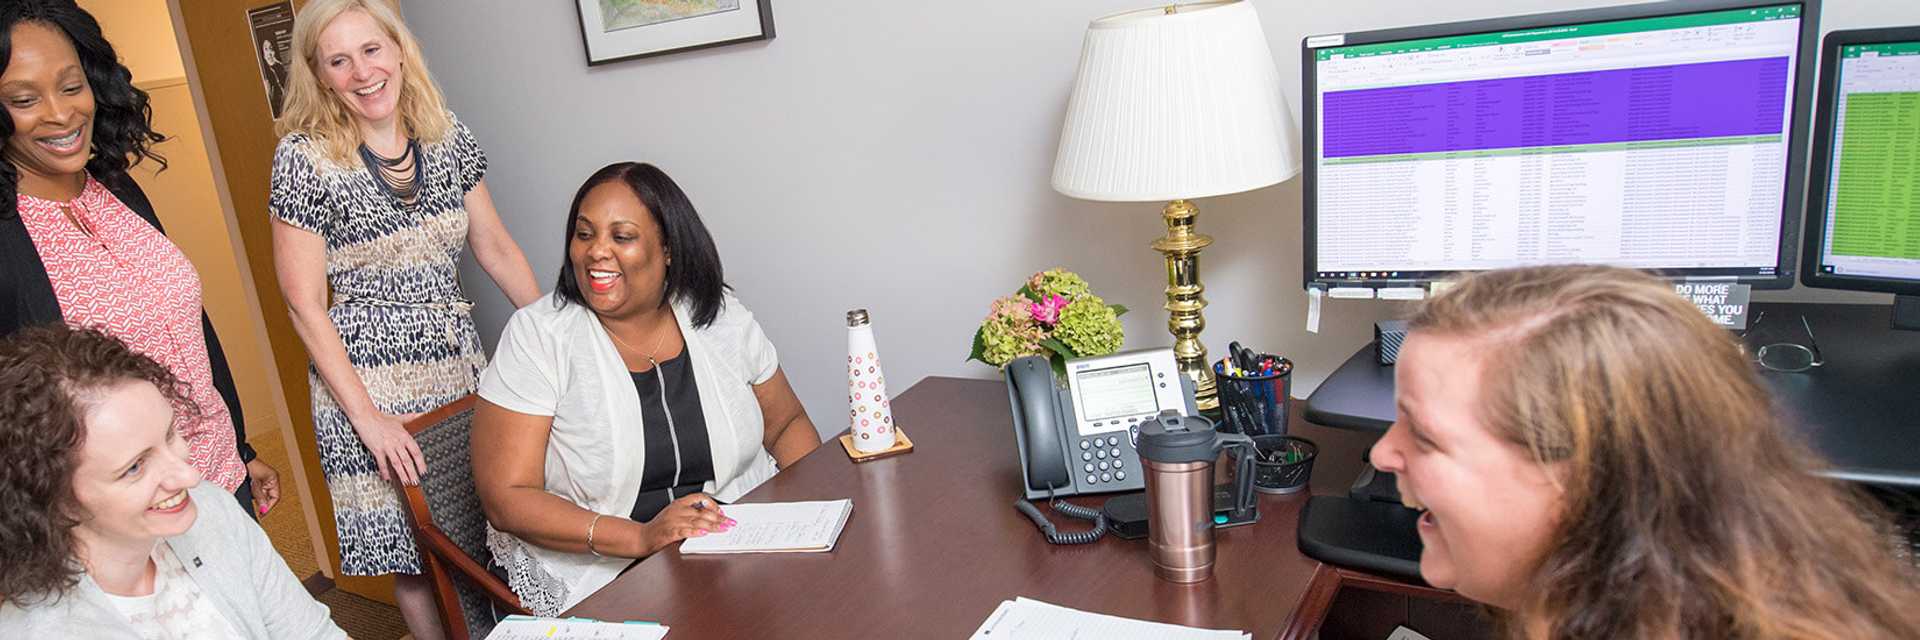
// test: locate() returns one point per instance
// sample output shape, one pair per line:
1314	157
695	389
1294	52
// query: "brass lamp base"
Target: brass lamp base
1182	249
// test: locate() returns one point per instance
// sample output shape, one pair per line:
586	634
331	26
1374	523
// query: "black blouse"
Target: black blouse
678	457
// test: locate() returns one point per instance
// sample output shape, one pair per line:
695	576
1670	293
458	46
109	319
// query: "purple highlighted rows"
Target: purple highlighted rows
1700	100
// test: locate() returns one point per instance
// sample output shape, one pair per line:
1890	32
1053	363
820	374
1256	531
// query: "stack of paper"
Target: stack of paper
1023	618
777	527
531	628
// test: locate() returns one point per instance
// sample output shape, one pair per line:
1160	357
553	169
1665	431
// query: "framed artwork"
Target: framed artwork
616	30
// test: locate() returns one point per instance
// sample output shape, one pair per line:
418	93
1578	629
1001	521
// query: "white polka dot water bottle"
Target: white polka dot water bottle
870	409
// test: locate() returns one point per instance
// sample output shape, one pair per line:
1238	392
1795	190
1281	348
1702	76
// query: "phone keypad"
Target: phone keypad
1101	457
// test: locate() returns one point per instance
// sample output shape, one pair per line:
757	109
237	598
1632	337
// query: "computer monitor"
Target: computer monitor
1665	136
1863	198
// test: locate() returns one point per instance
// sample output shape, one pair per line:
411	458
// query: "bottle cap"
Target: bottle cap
857	317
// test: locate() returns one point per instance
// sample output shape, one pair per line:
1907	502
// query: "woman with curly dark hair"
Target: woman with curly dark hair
79	242
108	530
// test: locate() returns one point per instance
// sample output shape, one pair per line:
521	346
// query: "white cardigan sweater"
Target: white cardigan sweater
559	361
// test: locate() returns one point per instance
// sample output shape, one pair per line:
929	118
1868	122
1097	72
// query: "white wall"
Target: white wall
896	156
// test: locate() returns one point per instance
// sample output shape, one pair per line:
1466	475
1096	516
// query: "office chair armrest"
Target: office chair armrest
444	547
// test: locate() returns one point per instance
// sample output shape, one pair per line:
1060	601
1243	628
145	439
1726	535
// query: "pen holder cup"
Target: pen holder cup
1255	405
1284	463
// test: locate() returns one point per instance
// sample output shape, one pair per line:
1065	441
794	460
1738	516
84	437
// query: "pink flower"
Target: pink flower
1047	311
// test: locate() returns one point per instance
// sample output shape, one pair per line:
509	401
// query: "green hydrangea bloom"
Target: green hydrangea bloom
1008	332
1001	346
1090	327
1060	282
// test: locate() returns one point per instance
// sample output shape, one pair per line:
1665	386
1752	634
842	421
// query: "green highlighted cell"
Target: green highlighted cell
1876	204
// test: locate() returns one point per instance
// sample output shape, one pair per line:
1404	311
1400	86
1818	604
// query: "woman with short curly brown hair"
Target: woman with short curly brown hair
108	528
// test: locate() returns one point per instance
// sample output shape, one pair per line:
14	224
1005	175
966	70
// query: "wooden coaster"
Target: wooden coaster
901	444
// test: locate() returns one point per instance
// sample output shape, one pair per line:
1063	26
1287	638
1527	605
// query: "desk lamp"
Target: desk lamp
1175	103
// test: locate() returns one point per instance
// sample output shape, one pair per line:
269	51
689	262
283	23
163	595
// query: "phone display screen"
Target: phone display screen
1115	392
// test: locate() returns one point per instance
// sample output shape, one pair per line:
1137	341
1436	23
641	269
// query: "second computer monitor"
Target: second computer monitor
1863	215
1666	136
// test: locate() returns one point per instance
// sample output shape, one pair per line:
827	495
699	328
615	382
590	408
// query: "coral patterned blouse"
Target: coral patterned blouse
130	281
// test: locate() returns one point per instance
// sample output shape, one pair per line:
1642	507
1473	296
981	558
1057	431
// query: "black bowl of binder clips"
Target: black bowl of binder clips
1283	463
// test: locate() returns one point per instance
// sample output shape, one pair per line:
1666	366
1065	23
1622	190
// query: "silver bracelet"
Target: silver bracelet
590	526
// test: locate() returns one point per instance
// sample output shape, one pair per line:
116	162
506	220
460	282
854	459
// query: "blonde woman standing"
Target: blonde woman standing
377	189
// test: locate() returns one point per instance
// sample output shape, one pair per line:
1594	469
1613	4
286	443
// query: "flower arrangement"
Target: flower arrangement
1055	314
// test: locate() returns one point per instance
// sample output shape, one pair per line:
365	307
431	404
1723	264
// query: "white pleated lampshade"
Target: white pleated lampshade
1173	106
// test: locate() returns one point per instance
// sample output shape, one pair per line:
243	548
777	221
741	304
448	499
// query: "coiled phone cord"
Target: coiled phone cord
1070	510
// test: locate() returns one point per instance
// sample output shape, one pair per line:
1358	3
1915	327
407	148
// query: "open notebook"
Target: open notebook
777	527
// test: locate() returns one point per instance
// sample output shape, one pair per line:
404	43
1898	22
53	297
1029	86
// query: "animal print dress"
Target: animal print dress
393	268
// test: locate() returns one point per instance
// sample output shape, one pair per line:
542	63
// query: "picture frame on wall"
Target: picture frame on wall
617	30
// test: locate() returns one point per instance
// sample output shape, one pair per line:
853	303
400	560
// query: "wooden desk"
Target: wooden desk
934	544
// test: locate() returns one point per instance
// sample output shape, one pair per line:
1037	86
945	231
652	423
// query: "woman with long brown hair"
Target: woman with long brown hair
1596	459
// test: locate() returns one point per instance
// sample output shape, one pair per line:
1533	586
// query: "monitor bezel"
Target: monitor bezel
1819	167
1793	199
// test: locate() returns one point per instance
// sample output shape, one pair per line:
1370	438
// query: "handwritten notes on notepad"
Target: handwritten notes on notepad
531	628
777	527
1028	619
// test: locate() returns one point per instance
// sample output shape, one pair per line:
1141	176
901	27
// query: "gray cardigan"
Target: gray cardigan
227	554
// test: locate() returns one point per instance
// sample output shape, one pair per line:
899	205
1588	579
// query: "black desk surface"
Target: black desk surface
1861	409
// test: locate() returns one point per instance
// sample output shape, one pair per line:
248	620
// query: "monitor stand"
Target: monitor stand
1906	313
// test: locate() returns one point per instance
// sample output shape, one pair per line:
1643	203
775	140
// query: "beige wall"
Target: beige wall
142	33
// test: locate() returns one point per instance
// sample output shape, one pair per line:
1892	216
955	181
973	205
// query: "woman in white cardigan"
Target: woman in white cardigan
620	411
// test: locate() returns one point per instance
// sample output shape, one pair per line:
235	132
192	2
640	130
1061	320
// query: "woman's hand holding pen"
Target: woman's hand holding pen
692	515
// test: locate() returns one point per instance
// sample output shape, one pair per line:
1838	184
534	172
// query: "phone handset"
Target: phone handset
1036	416
1038	424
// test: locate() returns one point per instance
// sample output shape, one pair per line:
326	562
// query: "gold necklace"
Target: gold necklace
649	355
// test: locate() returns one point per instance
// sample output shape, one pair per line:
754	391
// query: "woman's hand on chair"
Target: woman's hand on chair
692	515
394	449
